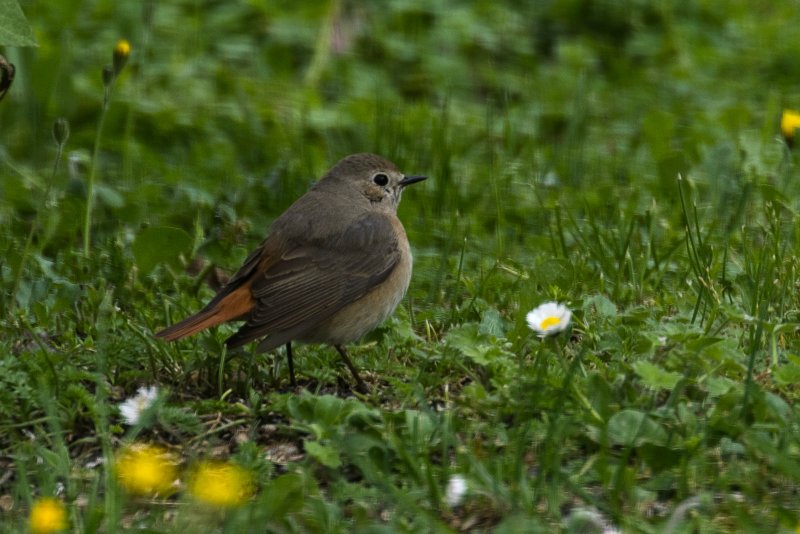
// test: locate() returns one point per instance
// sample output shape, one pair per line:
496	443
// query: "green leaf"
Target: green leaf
787	374
632	428
656	377
480	348
604	307
763	446
160	245
660	458
283	496
718	385
14	29
325	455
109	195
420	425
492	323
330	410
777	407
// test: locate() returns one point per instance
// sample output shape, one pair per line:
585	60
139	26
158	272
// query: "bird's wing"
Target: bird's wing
308	283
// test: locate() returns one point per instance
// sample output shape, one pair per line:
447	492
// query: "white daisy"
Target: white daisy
456	489
549	318
133	408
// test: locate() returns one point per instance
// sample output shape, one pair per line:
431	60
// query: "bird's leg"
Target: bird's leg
291	364
359	383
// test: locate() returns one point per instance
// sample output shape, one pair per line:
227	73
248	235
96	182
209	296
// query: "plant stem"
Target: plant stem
32	231
87	216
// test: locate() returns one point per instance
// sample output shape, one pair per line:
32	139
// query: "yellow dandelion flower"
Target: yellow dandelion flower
220	484
790	122
121	52
47	515
146	470
123	48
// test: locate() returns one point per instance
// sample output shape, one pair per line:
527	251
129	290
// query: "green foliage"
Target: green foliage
14	29
622	158
160	246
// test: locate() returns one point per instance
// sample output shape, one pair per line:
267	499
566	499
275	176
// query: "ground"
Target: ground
624	159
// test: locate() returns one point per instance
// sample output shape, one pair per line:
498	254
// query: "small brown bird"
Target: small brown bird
335	264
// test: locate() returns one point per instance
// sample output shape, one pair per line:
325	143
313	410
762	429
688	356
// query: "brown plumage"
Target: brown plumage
335	264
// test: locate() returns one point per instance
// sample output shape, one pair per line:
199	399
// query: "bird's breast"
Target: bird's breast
361	316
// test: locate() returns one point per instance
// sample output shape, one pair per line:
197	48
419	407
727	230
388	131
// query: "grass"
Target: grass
624	160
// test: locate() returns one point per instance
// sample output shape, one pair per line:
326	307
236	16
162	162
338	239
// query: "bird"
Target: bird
333	266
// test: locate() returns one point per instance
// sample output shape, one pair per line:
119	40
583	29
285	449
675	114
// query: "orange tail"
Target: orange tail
231	306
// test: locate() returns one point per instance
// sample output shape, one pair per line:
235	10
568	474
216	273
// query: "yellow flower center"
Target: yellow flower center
47	515
548	322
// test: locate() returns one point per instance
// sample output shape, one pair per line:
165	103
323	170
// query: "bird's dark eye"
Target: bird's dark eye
380	179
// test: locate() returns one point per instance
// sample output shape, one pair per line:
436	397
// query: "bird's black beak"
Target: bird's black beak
408	180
